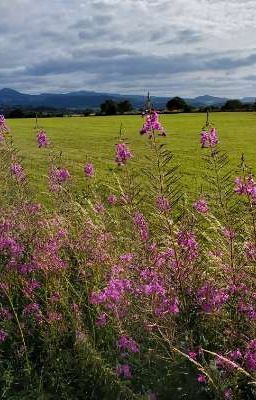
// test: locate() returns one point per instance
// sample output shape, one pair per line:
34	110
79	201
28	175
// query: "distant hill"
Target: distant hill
207	101
90	99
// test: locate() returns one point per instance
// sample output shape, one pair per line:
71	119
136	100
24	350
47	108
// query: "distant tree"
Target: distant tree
232	105
109	107
87	112
124	106
176	103
16	113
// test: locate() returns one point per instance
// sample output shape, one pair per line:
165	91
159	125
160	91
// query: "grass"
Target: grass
94	137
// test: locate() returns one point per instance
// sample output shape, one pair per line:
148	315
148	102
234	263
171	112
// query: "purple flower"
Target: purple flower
228	233
168	307
187	241
201	206
57	177
124	370
201	378
6	314
42	139
3	336
17	172
192	354
142	226
54	316
30	286
211	298
126	343
209	138
89	170
228	394
250	355
112	199
250	251
246	186
123	154
152	124
31	309
162	203
3	126
99	208
101	320
126	258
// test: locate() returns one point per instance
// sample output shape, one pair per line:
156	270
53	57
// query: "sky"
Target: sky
168	47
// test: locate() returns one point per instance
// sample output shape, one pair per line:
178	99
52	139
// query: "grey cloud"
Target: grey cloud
185	36
104	53
250	78
92	34
142	65
92	22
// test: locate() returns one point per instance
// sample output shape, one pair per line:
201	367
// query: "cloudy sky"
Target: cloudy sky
170	47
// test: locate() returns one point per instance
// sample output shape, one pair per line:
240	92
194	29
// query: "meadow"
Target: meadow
94	137
123	277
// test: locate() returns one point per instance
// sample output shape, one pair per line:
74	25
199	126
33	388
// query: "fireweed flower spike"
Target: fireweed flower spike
162	203
42	139
3	126
151	124
17	172
123	154
57	178
209	137
89	170
201	206
246	186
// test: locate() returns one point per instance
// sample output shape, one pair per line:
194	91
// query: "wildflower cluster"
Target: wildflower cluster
246	186
57	177
42	139
3	128
123	154
209	138
124	287
152	124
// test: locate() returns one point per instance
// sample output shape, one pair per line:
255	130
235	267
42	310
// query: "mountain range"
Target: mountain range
89	99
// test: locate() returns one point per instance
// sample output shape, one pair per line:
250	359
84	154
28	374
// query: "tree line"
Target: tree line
111	107
177	104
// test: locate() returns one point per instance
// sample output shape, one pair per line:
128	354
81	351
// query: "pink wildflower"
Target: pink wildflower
3	336
152	124
57	177
99	208
201	206
3	126
89	170
126	343
209	138
124	370
201	378
228	394
101	320
123	154
112	199
17	172
162	203
142	226
42	139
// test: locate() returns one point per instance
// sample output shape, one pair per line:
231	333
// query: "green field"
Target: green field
78	137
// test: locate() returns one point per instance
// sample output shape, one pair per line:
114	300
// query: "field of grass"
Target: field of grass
133	297
95	137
